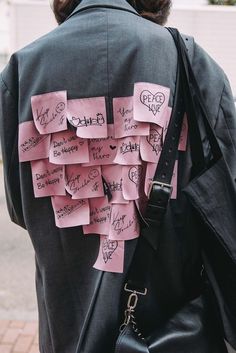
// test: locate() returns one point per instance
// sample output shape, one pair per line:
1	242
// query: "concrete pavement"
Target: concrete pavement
17	268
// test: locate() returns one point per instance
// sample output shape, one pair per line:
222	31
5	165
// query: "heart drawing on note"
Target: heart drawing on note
112	147
108	249
135	174
153	101
154	140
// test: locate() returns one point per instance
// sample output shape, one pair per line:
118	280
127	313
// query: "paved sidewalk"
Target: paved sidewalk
18	336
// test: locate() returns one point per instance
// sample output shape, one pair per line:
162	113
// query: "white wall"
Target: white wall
214	28
28	21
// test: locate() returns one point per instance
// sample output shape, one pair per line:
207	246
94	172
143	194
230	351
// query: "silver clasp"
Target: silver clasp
131	305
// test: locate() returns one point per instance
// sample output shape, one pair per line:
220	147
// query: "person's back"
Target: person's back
102	50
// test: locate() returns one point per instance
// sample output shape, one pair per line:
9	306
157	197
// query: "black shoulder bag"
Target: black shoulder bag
190	329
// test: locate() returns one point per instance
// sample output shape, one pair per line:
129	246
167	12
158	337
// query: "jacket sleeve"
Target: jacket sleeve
213	195
225	127
9	143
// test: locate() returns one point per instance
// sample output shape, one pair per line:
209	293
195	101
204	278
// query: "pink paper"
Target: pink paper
48	178
113	176
174	181
151	146
70	213
184	135
88	115
67	148
32	145
125	125
131	176
49	111
150	102
128	151
124	224
102	151
100	214
84	182
111	255
150	172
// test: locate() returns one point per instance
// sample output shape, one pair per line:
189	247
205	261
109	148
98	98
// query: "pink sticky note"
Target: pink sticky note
183	135
49	111
113	176
124	224
100	214
151	146
67	148
48	178
150	102
131	176
124	122
128	149
167	121
174	181
150	172
111	255
102	151
32	145
84	182
89	116
70	213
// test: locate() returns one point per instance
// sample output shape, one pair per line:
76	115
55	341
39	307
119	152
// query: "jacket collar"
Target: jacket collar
114	4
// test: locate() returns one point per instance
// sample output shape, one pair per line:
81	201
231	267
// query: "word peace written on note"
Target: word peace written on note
151	146
84	182
111	255
89	116
50	111
131	176
124	122
70	213
31	145
150	102
48	178
67	148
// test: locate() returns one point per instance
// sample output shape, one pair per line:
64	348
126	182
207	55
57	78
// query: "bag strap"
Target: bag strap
194	96
160	188
187	98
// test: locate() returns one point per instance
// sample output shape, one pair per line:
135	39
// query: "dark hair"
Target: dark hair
154	10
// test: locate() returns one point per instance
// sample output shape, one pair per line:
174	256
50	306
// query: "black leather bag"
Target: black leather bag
191	329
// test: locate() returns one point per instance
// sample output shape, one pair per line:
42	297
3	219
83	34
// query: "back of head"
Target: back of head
154	10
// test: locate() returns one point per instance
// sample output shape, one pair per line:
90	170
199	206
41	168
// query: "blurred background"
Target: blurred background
21	22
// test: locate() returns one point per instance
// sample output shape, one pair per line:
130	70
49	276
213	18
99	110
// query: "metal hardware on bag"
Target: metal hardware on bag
131	305
162	185
144	292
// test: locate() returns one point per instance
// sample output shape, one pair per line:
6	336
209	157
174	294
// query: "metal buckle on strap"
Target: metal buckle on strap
162	185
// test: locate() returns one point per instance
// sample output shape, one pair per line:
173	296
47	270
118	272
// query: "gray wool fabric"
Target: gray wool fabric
101	50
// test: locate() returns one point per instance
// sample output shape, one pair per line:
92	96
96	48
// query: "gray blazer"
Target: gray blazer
102	49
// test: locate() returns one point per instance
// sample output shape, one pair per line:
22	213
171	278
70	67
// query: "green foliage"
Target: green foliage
222	2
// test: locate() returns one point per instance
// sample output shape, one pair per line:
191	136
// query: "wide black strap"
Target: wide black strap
187	98
160	188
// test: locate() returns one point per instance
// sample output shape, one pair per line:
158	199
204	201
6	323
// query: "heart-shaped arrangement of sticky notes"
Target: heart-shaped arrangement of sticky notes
98	174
